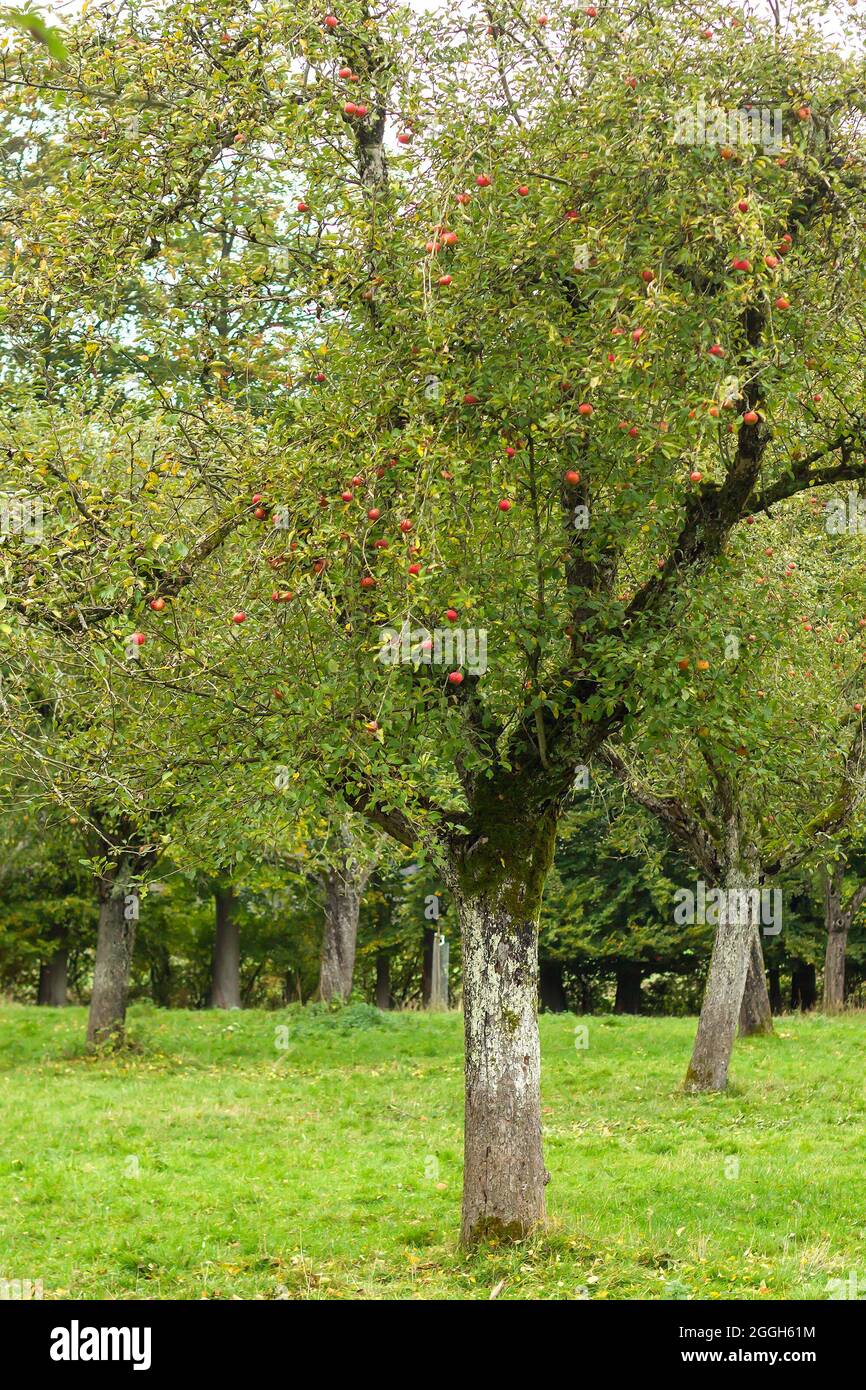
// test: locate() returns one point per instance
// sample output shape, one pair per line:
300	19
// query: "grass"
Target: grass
225	1158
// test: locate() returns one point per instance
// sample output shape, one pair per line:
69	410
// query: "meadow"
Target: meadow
315	1153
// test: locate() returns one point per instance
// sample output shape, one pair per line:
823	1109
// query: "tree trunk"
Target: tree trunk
427	966
804	990
160	975
551	989
726	980
775	989
755	1013
344	886
834	972
838	921
497	888
628	993
52	979
226	976
114	947
383	981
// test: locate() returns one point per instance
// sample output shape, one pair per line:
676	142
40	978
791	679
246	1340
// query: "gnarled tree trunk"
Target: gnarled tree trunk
756	1015
344	886
52	978
118	916
497	887
729	964
226	977
838	919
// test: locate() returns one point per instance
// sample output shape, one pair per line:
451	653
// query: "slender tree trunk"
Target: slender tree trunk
344	887
756	1015
504	1174
383	981
114	947
804	990
52	979
775	989
427	966
226	977
551	989
160	975
838	919
628	993
729	964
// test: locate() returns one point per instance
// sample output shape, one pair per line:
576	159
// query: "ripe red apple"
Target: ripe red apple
584	408
631	82
695	476
590	11
331	21
750	417
260	513
157	604
405	527
637	334
320	377
415	569
858	707
782	302
455	677
345	72
523	189
740	263
542	20
449	238
367	582
373	514
683	663
742	205
350	109
239	617
483	181
380	545
444	280
464	198
451	614
509	452
347	495
805	113
771	262
717	350
372	726
504	505
138	639
469	399
647	276
360	112
572	477
633	432
405	137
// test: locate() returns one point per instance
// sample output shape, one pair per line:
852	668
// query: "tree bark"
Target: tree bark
551	989
729	964
504	1174
628	992
383	981
114	947
427	966
52	979
226	976
344	886
756	1016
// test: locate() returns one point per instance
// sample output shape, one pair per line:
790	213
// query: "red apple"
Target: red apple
742	205
331	21
350	109
451	614
695	476
405	527
572	477
303	207
464	198
716	350
483	181
157	604
523	190
347	495
455	677
345	72
138	639
782	302
373	514
504	505
444	280
415	569
239	617
405	137
367	582
647	276
469	399
750	417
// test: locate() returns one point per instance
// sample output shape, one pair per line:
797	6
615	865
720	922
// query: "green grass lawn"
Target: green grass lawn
213	1163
